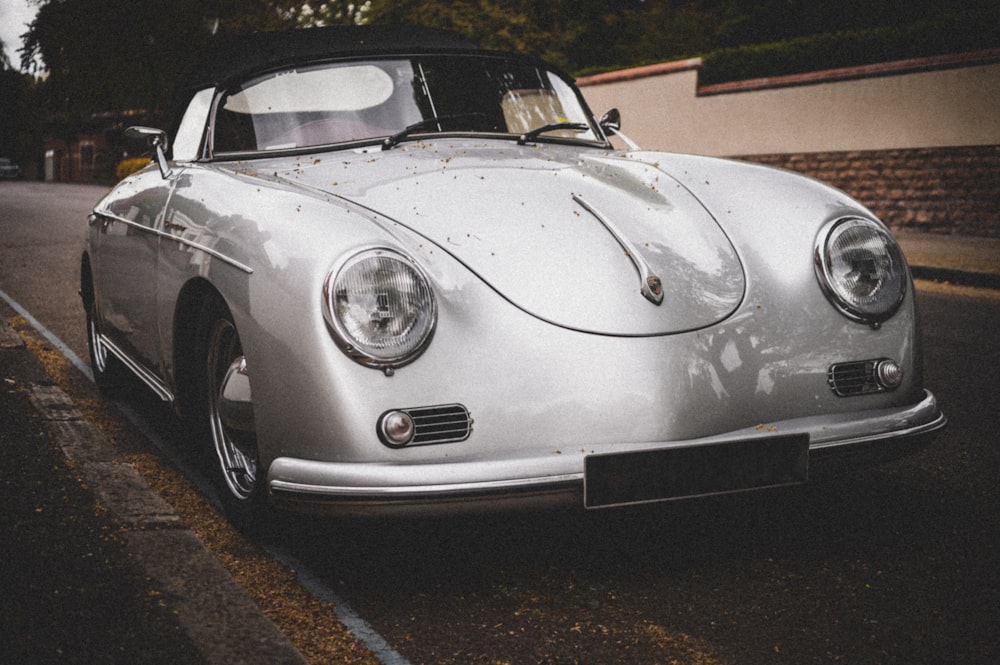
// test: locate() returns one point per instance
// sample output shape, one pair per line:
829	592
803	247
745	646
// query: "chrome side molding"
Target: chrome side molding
145	375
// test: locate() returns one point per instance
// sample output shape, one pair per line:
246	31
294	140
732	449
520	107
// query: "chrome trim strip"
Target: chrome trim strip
915	431
860	426
443	491
829	434
425	491
169	236
651	287
144	375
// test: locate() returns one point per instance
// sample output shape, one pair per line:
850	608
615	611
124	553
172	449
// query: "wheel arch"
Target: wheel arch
197	297
86	280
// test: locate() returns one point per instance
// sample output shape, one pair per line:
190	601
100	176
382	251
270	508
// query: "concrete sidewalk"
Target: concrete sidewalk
98	568
949	258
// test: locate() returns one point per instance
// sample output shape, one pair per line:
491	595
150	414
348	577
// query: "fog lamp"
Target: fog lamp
890	374
395	429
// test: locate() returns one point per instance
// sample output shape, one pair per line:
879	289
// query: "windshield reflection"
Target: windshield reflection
374	99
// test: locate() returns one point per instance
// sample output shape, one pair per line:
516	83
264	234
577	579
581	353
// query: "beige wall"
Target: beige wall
899	105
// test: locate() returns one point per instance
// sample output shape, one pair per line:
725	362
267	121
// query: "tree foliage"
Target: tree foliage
108	56
586	34
19	122
571	33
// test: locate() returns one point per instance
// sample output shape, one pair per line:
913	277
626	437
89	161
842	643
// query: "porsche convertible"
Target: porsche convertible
381	270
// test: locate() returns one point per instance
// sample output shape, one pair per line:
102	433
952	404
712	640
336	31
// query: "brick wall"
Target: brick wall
934	190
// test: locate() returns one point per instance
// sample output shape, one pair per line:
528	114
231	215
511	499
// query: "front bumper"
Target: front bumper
559	478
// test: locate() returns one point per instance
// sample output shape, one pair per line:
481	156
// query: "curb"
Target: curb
219	617
983	280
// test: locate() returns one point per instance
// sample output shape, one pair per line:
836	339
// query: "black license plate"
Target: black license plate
620	479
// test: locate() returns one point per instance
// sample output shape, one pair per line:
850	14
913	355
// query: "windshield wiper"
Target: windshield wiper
397	138
538	131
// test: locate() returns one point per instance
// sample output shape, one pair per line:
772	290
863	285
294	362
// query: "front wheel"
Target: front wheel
230	420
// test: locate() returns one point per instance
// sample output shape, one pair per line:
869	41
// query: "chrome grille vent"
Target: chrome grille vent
440	424
855	378
425	425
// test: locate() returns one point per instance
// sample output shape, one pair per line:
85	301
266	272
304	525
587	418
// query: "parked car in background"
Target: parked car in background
383	270
9	169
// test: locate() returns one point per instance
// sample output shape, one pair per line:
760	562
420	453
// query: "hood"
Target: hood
583	239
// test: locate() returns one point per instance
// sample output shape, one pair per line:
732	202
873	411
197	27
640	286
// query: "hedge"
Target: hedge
127	167
957	33
953	34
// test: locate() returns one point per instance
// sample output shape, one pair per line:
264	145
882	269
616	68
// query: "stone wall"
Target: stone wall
935	190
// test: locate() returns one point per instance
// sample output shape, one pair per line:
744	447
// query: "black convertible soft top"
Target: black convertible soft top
226	59
229	58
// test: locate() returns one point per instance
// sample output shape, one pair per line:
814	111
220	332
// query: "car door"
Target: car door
125	246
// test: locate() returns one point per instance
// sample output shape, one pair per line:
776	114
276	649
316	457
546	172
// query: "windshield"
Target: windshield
375	99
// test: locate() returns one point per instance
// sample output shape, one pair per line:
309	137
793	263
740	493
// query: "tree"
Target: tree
106	56
329	12
570	33
19	130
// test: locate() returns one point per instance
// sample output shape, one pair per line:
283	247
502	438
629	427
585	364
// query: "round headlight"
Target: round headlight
380	307
861	269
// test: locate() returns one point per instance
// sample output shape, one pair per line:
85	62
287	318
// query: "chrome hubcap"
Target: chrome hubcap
235	447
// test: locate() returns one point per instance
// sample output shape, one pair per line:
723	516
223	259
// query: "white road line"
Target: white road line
48	335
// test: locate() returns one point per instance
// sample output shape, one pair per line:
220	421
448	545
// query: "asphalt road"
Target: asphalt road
896	564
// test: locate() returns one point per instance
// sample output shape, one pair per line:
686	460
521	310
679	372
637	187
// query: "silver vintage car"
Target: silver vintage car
382	270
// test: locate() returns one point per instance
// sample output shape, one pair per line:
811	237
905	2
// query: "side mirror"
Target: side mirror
157	140
611	123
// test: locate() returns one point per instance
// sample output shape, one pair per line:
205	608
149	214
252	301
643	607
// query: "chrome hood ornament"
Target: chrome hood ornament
651	287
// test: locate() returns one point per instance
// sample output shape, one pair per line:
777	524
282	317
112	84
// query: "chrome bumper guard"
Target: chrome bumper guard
560	479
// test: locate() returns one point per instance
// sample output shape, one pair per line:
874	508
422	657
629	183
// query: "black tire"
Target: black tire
235	456
110	374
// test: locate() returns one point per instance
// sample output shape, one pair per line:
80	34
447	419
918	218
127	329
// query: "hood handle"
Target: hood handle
651	287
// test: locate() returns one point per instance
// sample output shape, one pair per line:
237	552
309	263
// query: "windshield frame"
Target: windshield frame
601	140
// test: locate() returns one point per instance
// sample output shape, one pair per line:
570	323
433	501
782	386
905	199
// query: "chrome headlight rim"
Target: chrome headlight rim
356	349
898	277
